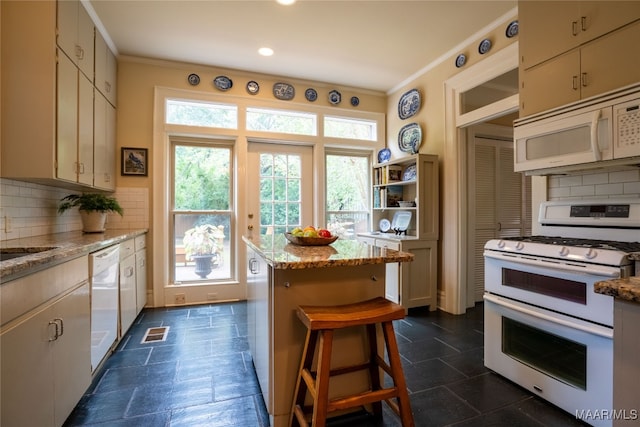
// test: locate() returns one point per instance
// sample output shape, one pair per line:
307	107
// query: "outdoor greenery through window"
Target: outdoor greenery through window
280	192
347	194
285	121
202	203
344	127
194	113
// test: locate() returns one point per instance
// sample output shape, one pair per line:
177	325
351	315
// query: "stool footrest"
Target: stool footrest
361	399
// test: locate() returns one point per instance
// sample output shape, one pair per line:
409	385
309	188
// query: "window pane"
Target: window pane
492	91
202	178
343	127
193	113
202	247
284	121
347	194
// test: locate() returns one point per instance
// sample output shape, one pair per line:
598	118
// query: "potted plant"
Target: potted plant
93	209
202	244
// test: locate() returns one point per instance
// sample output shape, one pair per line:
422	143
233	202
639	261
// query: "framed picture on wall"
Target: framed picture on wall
134	161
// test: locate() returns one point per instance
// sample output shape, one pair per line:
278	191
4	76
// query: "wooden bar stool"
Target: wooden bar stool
321	322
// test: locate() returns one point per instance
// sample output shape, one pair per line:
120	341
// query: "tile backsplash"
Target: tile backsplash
28	209
592	185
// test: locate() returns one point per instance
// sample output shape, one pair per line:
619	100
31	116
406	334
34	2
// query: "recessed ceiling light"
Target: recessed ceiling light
265	51
286	2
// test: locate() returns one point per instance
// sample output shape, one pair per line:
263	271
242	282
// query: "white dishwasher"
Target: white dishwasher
103	272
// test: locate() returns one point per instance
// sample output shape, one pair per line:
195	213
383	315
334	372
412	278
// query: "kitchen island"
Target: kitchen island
280	277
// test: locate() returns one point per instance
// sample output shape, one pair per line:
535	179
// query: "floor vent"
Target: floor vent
155	334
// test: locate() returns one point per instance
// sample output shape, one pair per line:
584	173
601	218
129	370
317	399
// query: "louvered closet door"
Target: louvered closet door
496	198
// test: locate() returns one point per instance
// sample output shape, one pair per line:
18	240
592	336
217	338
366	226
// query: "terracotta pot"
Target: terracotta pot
93	222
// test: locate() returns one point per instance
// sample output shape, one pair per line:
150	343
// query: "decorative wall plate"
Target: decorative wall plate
512	29
384	225
355	101
410	138
193	79
401	220
253	87
484	46
461	60
410	173
384	155
223	83
409	104
311	94
284	91
335	97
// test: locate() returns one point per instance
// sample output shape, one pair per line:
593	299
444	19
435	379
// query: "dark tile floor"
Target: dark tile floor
202	375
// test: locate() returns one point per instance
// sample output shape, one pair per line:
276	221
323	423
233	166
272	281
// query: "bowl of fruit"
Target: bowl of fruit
310	236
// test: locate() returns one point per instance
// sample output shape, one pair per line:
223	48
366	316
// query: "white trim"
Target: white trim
453	297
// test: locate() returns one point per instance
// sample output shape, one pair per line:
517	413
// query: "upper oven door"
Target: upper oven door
550	284
570	139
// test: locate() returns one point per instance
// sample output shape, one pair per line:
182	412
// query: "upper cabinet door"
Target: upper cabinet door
106	69
75	35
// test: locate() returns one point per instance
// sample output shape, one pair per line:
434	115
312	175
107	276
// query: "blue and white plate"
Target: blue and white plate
384	225
409	173
512	29
410	138
335	97
355	101
484	46
384	155
409	104
253	87
311	94
193	79
284	91
461	60
223	83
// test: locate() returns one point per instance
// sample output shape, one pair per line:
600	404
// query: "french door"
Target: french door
279	188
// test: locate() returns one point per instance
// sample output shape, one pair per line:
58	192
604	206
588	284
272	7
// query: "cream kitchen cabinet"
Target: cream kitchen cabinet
410	284
571	50
45	345
128	305
75	35
596	67
47	99
140	245
548	29
104	143
106	70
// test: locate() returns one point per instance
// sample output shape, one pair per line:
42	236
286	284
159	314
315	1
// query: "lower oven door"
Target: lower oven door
563	360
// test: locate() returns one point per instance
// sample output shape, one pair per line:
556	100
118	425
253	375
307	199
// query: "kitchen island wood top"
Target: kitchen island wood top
627	289
282	255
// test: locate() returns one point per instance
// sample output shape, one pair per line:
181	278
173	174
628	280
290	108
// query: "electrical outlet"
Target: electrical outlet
212	296
180	299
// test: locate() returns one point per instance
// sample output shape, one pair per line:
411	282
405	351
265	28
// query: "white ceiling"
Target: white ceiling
373	44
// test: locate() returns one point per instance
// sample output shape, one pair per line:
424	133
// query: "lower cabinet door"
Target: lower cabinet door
128	304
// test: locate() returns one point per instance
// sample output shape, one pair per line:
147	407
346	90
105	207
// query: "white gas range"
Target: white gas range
545	327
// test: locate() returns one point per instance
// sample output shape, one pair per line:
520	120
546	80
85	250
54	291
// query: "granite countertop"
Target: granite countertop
65	246
627	289
282	255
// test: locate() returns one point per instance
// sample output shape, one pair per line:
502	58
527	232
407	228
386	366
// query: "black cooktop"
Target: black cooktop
584	243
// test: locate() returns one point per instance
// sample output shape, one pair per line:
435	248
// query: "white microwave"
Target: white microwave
599	133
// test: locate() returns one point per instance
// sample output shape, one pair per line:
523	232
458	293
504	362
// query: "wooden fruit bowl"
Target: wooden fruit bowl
310	241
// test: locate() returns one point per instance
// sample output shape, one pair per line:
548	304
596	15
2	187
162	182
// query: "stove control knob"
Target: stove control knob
502	244
591	254
563	251
519	246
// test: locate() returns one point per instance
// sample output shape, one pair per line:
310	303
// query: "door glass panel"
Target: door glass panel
280	184
556	356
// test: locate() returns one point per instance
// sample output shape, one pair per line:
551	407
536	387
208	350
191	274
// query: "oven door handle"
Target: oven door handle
591	269
591	329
